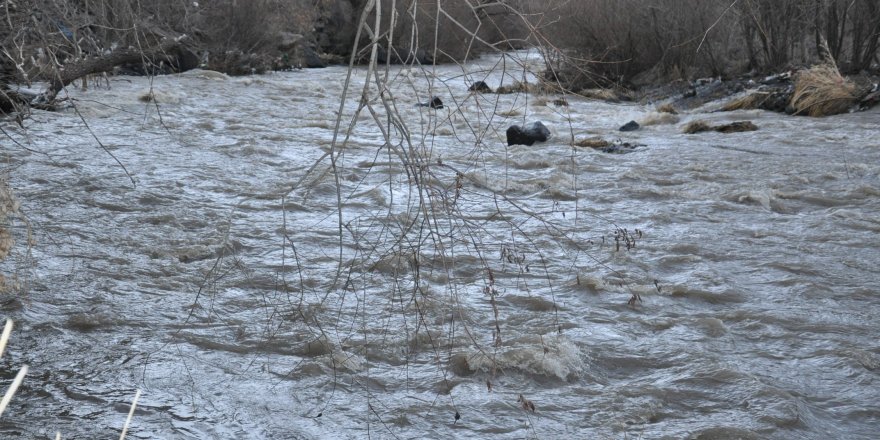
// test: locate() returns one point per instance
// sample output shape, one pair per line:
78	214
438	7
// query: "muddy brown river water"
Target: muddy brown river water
259	283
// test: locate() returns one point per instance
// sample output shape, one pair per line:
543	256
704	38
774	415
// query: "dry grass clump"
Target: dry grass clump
656	118
518	87
540	101
749	102
733	127
771	100
509	113
696	127
736	127
823	91
608	95
667	108
593	143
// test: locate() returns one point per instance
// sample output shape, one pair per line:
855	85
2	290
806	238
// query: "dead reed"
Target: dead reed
823	91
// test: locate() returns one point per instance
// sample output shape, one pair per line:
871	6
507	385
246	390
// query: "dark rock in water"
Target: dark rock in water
630	126
480	87
435	103
771	98
528	134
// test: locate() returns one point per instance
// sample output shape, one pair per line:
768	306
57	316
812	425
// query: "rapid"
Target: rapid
406	274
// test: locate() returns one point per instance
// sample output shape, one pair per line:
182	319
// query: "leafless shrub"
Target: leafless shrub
606	42
447	31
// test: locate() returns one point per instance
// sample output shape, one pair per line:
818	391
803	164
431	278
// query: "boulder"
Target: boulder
528	134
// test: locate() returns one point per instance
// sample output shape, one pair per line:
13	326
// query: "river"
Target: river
414	277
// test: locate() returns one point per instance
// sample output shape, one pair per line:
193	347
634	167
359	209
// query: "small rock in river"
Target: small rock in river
630	126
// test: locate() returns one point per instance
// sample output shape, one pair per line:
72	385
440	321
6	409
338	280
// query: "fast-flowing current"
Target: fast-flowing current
297	255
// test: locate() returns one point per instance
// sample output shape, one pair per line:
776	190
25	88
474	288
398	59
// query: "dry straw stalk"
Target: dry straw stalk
823	91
